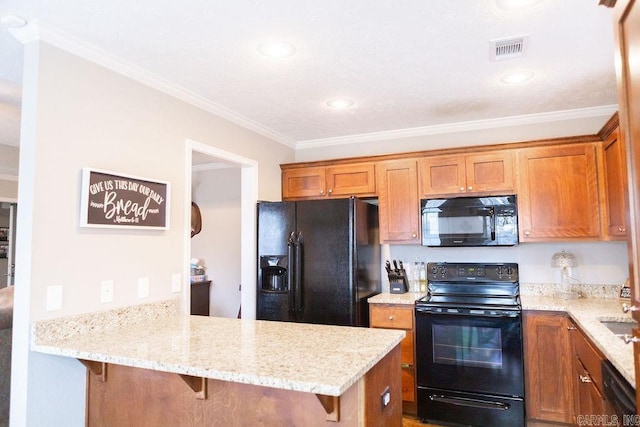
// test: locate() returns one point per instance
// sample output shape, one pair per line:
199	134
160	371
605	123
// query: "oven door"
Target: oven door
470	352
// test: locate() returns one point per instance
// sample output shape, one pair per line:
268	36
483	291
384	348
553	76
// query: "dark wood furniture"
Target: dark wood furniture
200	298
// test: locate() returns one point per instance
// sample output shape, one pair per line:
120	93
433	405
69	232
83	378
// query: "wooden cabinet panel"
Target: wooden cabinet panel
390	316
615	182
346	180
351	180
442	175
548	367
490	172
398	203
305	182
558	193
587	376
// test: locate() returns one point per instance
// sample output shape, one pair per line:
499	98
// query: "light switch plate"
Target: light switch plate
143	287
54	297
106	291
176	282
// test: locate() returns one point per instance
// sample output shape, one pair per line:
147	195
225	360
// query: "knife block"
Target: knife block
398	281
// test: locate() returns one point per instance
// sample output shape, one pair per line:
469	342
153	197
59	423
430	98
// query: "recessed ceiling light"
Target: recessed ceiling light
517	76
515	4
340	103
276	49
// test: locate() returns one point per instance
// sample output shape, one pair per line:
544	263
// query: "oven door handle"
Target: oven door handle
475	403
508	314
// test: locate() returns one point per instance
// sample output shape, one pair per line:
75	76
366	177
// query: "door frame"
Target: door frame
248	229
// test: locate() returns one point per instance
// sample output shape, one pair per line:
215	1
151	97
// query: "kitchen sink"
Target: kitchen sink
620	327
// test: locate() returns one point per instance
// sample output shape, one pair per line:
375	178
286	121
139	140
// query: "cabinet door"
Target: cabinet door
398	204
399	317
441	175
558	193
351	180
615	176
548	366
588	400
303	183
490	172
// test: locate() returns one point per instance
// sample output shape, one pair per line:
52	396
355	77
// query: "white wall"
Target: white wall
217	193
76	114
598	263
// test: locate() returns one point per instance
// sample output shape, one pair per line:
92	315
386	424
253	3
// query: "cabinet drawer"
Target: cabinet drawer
406	349
589	357
391	317
408	384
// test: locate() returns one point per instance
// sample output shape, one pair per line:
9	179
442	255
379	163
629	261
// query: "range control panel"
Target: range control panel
472	272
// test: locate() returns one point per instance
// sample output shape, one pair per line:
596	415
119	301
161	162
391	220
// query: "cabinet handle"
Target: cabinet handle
414	235
470	188
627	308
585	378
571	328
527	233
405	366
628	339
622	230
330	190
461	188
390	317
321	191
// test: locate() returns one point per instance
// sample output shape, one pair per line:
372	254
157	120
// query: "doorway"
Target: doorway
224	185
8	212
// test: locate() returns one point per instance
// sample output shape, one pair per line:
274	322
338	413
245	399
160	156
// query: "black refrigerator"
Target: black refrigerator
318	261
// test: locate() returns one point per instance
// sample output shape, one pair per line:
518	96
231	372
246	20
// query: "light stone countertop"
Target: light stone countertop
317	359
586	312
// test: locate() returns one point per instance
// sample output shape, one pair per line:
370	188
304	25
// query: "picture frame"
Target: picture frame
115	200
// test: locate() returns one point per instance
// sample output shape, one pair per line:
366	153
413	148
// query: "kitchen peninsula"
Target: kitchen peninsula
195	370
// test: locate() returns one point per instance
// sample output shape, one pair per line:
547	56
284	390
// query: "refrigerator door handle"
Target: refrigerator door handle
299	247
291	254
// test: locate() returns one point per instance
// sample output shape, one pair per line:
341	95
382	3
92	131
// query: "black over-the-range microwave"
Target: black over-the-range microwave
470	221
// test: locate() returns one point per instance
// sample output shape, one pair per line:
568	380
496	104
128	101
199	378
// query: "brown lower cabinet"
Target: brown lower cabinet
547	348
563	374
400	316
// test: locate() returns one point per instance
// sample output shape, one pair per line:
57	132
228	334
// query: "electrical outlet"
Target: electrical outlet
143	287
54	298
385	398
106	291
176	282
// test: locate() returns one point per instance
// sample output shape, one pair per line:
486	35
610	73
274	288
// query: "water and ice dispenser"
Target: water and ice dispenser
273	271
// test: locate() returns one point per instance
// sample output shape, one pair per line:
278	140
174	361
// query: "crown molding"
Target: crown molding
36	30
475	125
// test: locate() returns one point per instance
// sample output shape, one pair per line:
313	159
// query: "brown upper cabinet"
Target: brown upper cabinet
457	175
558	193
337	181
615	180
398	203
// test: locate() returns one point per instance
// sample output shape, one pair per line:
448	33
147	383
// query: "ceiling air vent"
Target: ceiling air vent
511	47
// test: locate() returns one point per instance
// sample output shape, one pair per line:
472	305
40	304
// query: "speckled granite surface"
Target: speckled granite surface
388	298
292	356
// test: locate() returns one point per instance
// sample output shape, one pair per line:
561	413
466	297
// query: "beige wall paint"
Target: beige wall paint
90	116
77	114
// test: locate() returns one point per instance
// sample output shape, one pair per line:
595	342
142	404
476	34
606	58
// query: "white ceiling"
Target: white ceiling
406	64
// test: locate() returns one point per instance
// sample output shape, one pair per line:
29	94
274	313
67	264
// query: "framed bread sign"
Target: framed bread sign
114	200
